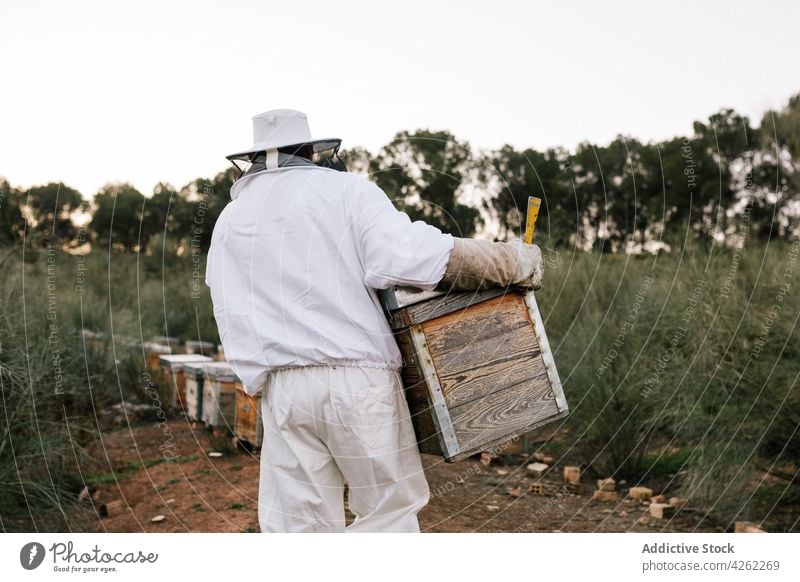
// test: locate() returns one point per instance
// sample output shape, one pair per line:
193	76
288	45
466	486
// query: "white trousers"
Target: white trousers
327	425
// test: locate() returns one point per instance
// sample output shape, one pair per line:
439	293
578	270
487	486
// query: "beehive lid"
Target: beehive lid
405	306
195	368
398	297
177	361
89	334
157	348
200	345
220	371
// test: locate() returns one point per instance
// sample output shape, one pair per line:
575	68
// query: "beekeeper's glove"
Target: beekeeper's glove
479	264
530	269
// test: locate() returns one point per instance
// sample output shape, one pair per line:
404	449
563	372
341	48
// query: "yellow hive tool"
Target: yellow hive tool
533	213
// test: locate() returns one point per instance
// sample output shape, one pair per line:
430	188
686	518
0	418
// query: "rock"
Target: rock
538	457
747	527
486	458
537	469
606	484
492	507
85	494
548	460
661	510
158	518
116	507
605	496
572	475
640	493
494	481
623	513
501	471
169	501
515	492
215	454
606	511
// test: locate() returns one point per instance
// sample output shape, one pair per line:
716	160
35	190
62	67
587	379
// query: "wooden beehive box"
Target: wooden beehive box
154	352
194	379
167	340
477	367
248	417
200	347
219	395
172	368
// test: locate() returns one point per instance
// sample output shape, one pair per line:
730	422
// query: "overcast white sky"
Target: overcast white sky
146	91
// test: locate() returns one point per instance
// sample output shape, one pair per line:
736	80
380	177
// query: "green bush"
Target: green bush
667	377
56	384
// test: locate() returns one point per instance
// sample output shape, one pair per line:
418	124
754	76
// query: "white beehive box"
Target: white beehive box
172	367
194	378
249	427
219	395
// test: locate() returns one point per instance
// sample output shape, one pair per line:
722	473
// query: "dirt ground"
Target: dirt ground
198	492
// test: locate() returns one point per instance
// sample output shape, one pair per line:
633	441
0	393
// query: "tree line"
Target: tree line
626	195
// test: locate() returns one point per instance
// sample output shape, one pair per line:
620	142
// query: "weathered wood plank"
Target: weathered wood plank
508	439
413	380
425	429
493	348
502	413
417	313
487	319
419	403
440	413
517	343
490	376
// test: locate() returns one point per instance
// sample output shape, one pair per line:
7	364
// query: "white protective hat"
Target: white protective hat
280	128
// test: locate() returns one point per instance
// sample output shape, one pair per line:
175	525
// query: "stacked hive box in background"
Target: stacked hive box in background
194	378
172	367
93	340
478	369
248	417
154	352
168	340
219	395
220	355
200	347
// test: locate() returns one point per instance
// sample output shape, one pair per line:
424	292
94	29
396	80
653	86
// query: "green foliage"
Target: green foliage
50	208
57	387
11	220
117	217
422	173
680	370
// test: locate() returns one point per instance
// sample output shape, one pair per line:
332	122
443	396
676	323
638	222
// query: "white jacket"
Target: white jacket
294	262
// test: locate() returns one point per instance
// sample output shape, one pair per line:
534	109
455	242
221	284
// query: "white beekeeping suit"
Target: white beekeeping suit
294	262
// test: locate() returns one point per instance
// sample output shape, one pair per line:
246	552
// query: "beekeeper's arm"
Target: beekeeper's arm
397	251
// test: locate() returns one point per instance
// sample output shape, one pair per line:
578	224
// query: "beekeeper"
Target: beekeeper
294	264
